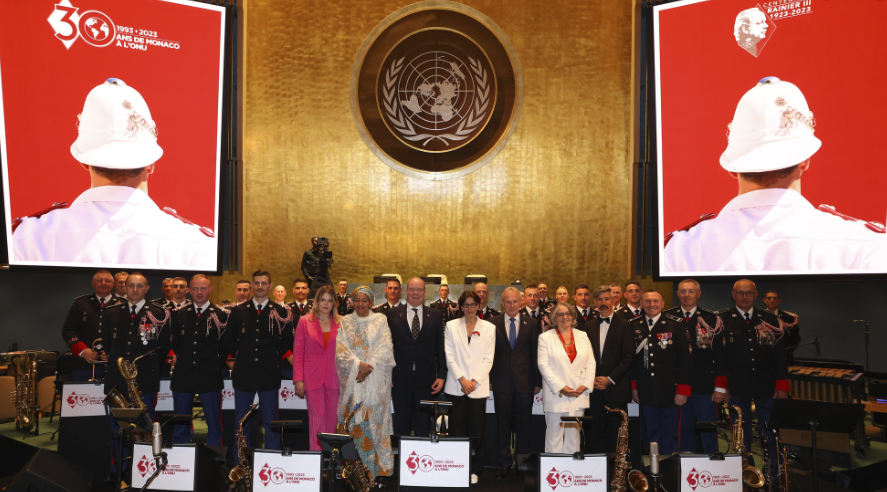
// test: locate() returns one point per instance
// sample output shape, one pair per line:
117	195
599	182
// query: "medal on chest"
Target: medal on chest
765	336
147	331
703	338
664	339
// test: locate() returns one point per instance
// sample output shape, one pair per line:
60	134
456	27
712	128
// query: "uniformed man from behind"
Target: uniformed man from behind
483	311
165	300
444	305
120	284
705	334
86	325
346	305
197	329
790	322
115	221
392	297
301	304
316	263
260	334
662	371
770	226
756	366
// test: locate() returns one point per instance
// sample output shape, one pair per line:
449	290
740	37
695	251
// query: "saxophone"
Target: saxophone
24	398
751	476
129	372
241	475
622	472
355	473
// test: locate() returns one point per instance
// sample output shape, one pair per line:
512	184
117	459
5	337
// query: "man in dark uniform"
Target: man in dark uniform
532	306
260	334
616	290
483	291
85	324
417	335
346	306
790	322
632	308
243	291
756	365
195	338
164	301
612	340
316	263
120	284
179	289
392	297
662	371
302	304
545	301
705	334
447	308
582	298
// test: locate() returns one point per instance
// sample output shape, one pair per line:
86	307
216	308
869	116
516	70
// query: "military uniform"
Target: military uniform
301	309
260	340
791	324
539	313
487	313
163	302
346	305
590	314
385	307
195	339
447	308
663	368
87	321
705	333
547	303
628	313
756	365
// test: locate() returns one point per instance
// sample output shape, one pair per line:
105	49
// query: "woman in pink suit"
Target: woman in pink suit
314	364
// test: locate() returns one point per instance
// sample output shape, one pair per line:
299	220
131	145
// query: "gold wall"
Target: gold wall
553	206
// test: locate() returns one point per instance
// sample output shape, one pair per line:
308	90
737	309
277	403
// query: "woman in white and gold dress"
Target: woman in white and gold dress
365	358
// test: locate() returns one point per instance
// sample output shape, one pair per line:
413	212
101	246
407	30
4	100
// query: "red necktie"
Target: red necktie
480	314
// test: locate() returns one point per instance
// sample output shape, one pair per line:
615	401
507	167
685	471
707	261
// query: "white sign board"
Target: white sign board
164	397
83	400
298	472
228	395
564	474
287	399
701	474
440	464
179	473
537	404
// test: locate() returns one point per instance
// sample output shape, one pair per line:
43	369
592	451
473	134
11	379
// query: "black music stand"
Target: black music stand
815	416
339	447
578	455
129	419
286	424
435	412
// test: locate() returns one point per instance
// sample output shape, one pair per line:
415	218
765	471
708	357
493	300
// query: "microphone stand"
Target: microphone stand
162	461
160	456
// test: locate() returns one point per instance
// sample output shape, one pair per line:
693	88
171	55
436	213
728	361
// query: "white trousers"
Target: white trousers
562	437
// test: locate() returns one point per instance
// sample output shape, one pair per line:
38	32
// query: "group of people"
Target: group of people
351	358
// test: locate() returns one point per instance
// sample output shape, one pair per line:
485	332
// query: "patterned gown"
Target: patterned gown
367	340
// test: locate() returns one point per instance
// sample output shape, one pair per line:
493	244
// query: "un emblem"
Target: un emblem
436	90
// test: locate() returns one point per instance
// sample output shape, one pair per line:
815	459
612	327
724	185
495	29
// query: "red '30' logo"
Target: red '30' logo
699	479
146	466
93	26
563	478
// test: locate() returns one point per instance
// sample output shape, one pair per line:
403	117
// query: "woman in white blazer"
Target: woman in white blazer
469	343
566	362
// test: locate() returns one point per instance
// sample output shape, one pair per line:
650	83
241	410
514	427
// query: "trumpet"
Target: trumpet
751	476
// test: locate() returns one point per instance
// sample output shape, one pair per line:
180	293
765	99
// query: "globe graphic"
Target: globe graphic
97	29
436	90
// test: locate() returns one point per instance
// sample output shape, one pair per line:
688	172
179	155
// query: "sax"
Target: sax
622	472
355	473
241	476
24	398
751	476
129	372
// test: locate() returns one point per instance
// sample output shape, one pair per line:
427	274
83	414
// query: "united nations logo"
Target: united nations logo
436	96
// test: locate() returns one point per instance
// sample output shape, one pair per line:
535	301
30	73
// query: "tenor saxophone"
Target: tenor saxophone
622	472
24	397
355	472
129	372
751	476
241	475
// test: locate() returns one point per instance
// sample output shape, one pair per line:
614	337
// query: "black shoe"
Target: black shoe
502	472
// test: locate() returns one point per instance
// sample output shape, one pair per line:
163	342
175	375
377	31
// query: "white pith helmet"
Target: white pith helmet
115	129
771	129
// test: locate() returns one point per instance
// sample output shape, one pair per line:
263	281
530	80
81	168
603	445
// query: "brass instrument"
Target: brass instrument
622	472
24	397
355	473
129	372
751	476
781	464
241	475
765	449
98	348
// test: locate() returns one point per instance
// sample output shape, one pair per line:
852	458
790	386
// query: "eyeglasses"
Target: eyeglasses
744	293
469	306
564	315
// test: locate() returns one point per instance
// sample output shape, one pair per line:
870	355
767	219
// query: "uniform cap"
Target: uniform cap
771	129
115	129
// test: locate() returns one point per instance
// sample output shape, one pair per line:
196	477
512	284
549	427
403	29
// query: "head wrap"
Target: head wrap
363	289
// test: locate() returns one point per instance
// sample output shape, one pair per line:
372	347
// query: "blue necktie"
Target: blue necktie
512	333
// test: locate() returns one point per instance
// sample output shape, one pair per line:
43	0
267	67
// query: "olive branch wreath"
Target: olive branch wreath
403	125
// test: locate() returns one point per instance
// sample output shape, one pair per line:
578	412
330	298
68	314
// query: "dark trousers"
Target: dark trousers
513	412
407	415
183	404
268	406
150	400
699	408
602	433
662	426
763	408
86	374
467	419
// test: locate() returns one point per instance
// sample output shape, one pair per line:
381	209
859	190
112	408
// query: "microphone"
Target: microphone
654	458
816	342
157	440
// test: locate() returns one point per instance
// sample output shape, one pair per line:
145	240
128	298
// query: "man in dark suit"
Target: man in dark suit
582	298
448	309
514	377
417	334
612	342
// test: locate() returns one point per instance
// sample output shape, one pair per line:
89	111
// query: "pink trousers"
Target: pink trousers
322	416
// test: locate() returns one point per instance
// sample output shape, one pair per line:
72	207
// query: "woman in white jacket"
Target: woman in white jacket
469	343
566	362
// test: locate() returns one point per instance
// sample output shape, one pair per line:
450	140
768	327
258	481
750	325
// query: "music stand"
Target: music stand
286	424
339	446
129	419
435	436
578	455
815	416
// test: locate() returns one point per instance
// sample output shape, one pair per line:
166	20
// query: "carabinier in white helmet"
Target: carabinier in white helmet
114	221
770	226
